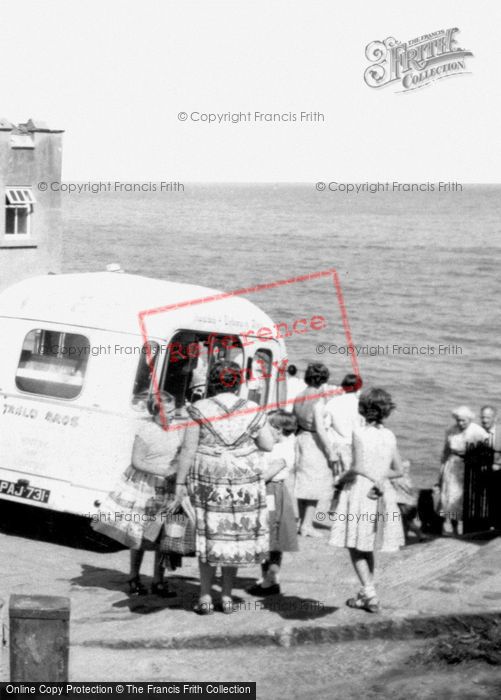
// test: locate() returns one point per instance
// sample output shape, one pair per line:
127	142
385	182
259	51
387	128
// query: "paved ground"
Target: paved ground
443	577
351	671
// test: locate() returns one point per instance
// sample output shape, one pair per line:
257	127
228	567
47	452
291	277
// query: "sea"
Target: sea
419	276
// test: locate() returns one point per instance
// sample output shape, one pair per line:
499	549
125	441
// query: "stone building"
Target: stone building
30	225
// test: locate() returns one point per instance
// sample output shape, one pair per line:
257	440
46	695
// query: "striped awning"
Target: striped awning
20	196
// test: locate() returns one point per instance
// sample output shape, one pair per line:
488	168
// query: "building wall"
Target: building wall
30	155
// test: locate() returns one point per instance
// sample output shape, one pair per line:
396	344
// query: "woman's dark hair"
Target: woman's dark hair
283	421
316	374
375	405
153	402
224	375
352	382
291	370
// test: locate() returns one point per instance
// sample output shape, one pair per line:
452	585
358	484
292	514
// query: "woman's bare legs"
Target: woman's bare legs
457	527
206	578
271	574
205	606
301	506
363	563
307	510
136	559
158	568
135	585
228	574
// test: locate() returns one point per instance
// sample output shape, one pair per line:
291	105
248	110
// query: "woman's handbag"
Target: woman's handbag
178	533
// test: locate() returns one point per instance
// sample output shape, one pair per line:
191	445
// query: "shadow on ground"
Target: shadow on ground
293	607
187	589
57	528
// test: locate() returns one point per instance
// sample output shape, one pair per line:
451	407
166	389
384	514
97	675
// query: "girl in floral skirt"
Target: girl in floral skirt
134	511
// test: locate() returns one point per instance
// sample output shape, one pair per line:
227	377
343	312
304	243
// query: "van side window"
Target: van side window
53	363
144	372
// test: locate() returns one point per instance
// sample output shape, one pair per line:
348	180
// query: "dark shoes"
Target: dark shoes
136	588
259	590
162	589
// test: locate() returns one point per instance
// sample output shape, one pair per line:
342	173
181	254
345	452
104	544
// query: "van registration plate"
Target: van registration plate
20	490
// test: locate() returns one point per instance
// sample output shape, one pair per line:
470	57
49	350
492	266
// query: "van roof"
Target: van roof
112	301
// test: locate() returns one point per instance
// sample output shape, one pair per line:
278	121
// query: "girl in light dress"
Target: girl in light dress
366	517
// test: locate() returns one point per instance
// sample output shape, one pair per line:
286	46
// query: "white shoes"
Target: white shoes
310	532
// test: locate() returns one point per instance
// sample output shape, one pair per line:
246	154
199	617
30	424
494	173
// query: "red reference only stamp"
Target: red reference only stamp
258	349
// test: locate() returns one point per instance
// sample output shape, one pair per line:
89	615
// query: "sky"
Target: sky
116	74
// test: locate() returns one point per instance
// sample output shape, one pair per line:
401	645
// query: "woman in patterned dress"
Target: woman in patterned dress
133	512
366	516
220	468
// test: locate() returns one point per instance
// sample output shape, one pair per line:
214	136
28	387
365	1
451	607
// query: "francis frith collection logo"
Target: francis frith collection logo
417	62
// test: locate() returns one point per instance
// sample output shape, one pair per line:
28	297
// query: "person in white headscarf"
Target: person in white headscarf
458	439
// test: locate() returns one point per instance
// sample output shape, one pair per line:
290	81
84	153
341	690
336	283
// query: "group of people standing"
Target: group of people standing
464	437
229	466
347	459
249	482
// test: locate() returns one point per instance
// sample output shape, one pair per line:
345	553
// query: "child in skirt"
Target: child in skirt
133	512
282	521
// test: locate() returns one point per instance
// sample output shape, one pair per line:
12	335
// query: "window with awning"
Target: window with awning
19	203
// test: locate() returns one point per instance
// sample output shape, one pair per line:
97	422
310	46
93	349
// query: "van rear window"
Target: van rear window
53	363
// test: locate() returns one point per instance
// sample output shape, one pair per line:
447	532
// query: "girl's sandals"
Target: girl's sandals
372	605
161	589
204	606
361	602
136	588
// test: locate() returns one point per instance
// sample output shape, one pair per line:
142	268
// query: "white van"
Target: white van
74	374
